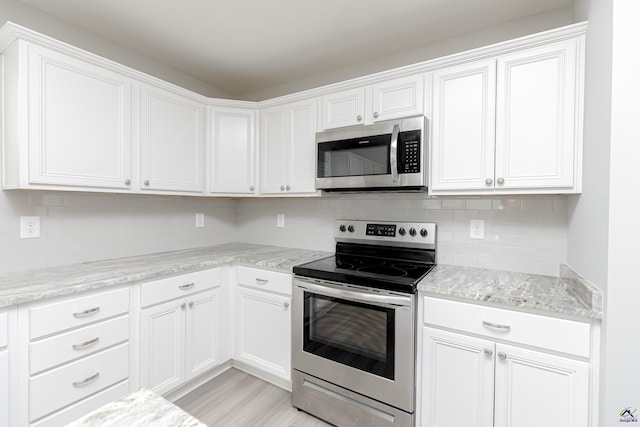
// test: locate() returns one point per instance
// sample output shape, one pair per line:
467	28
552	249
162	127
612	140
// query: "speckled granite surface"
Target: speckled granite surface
142	408
569	294
32	285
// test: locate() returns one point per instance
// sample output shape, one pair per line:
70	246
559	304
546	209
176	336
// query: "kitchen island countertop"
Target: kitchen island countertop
568	294
32	285
142	408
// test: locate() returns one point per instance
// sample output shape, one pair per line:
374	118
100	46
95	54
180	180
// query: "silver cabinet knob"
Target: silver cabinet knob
502	355
282	188
251	188
191	304
146	182
127	182
375	114
488	352
183	306
359	118
488	181
286	304
288	187
500	181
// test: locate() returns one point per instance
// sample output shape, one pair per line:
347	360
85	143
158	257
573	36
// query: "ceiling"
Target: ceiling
244	46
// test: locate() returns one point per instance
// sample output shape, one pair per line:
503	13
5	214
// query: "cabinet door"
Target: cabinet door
4	388
536	389
263	335
397	98
536	136
202	333
162	342
273	151
343	108
463	127
457	380
302	147
171	141
79	122
232	149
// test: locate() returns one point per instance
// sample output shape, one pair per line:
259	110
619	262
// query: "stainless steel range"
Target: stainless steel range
353	324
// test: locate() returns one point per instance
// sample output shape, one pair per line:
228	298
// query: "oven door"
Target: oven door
357	338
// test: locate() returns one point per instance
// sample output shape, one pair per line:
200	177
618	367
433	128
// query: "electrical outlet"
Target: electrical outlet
476	229
199	220
280	220
29	227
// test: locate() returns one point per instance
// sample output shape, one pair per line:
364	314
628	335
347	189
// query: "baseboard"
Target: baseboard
266	376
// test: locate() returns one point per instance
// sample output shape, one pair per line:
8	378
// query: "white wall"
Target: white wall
521	234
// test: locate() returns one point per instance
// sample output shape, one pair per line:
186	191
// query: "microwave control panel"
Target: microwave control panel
410	155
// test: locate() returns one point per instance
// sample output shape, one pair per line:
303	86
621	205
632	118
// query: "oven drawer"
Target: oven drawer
56	317
176	287
563	335
265	279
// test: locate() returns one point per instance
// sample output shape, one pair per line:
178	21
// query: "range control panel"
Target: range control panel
398	233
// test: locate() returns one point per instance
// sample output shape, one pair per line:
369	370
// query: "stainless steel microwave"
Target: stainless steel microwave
389	155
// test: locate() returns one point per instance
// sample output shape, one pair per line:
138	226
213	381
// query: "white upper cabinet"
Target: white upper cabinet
232	151
287	147
401	97
171	141
67	121
510	124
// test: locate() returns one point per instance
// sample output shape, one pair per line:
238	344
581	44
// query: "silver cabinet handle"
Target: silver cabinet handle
190	304
260	281
488	352
127	182
251	188
187	286
488	181
500	181
183	306
87	380
286	304
85	344
146	182
393	153
502	355
496	326
359	118
375	114
86	313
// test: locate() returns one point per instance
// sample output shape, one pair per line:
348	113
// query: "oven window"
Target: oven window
354	334
354	157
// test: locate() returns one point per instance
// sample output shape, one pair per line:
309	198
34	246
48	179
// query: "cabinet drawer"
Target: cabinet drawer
550	333
4	329
179	286
83	407
265	280
78	343
59	316
60	387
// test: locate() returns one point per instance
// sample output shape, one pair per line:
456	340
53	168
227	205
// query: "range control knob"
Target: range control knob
402	231
342	228
351	229
424	232
412	231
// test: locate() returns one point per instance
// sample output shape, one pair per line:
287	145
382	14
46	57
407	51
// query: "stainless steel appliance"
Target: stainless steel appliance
389	155
353	324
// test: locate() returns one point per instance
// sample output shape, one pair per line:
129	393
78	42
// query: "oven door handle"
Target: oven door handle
391	301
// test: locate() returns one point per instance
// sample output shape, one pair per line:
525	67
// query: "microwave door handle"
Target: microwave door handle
393	153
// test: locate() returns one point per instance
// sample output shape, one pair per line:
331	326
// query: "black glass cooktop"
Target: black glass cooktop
394	273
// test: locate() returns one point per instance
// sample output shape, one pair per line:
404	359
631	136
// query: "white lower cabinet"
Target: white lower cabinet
263	324
4	369
479	381
74	355
179	336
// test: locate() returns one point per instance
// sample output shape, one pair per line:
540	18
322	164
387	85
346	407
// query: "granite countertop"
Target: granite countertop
568	294
32	285
142	408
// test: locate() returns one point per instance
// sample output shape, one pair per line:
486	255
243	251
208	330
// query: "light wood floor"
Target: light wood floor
237	399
